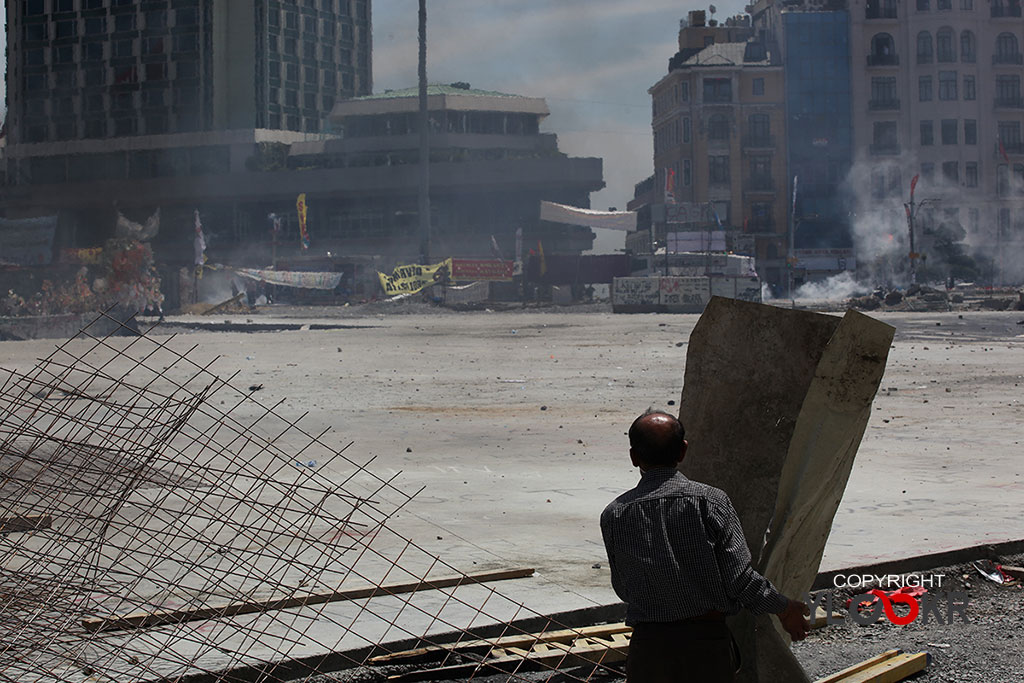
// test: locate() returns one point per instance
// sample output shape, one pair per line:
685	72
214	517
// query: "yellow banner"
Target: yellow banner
413	278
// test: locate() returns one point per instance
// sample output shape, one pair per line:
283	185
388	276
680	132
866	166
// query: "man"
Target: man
680	562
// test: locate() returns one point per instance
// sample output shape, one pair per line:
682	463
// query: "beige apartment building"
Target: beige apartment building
936	92
718	123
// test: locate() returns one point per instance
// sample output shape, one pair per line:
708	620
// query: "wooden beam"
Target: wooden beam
888	667
26	523
178	616
523	640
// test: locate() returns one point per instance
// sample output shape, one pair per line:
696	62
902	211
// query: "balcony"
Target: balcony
1011	10
885	148
873	11
760	183
887	104
759	141
1017	58
1010	102
883	60
1010	147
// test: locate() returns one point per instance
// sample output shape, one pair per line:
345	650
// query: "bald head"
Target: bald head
656	440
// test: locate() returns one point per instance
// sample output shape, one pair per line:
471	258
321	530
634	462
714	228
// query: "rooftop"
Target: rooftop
453	97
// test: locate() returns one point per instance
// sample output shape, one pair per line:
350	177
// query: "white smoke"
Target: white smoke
838	287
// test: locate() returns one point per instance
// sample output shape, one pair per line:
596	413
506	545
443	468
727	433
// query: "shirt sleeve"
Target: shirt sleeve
608	534
742	583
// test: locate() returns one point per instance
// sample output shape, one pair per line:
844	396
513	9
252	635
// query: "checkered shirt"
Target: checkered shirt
676	550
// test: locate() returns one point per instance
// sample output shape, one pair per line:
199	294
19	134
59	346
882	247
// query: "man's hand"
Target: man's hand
794	619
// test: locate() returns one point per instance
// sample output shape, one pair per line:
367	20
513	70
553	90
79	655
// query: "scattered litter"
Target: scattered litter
680	343
543	407
942	645
596	565
255	387
512	381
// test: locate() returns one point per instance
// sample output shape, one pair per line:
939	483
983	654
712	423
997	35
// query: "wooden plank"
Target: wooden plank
163	617
841	676
891	670
25	523
213	309
573	656
523	640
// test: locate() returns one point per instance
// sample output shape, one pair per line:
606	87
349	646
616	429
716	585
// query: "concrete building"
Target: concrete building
719	132
100	69
936	93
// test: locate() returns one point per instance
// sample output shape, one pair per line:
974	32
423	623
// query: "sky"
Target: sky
592	60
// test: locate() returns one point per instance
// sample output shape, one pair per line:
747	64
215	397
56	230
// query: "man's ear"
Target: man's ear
682	452
633	459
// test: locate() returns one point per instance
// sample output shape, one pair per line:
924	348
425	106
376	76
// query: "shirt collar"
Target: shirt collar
658	473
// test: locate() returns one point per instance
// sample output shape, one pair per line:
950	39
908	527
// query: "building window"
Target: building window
924	47
290	46
686	173
1008	133
947	85
759	130
951	171
718	127
761	172
309	25
684	92
291	72
968	47
927	134
1008	91
758	85
970	131
924	88
123	48
186	16
943	4
156	71
65	29
309	49
64	54
880	9
95	26
971	174
291	20
686	130
718	170
928	172
153	98
188	70
310	74
186	42
967	4
883	93
156	19
309	101
124	22
944	51
1007	50
923	5
883	51
717	90
949	129
969	92
885	139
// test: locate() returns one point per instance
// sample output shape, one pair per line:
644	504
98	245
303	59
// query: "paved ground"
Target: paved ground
515	424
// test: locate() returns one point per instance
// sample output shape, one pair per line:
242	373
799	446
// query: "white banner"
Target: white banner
610	220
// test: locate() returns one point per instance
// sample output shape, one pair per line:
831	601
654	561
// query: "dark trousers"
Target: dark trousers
681	652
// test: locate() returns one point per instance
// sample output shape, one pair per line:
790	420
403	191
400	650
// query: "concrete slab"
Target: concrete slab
454	402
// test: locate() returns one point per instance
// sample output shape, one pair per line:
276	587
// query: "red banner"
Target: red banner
470	269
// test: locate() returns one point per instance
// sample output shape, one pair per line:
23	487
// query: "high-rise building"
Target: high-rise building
99	69
719	141
936	92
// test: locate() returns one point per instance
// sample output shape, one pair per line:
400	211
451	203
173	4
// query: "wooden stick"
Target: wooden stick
163	617
26	523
